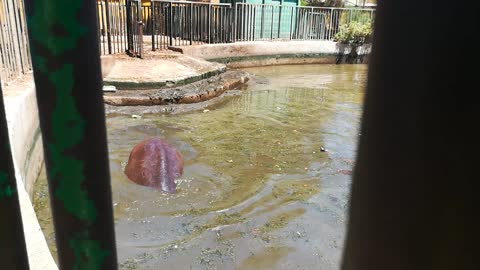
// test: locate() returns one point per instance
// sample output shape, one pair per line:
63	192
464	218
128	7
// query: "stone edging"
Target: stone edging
174	96
135	84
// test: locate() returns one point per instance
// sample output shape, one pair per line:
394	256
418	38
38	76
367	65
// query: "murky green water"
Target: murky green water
257	191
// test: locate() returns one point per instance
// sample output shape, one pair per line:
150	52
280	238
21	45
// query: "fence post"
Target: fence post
254	20
209	23
191	24
13	252
129	26
139	24
271	26
72	119
152	6
235	23
280	18
170	24
291	22
109	37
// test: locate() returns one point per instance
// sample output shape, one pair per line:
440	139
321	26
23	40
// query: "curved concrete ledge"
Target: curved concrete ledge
264	53
197	92
157	71
139	84
26	144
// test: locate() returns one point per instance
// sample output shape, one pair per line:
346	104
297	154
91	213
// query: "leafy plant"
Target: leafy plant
355	33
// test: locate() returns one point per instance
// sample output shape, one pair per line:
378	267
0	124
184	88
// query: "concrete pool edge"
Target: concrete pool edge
267	53
194	93
25	138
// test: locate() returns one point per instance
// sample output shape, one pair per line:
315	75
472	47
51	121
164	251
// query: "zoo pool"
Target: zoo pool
258	191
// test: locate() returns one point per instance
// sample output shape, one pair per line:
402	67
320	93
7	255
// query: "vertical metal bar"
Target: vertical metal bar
170	24
305	26
20	41
235	30
311	25
247	22
220	25
209	22
271	26
186	33
3	49
262	21
113	27
129	21
242	23
109	38
153	20
13	252
121	28
191	24
330	26
254	20
140	29
118	27
291	23
279	20
72	119
11	40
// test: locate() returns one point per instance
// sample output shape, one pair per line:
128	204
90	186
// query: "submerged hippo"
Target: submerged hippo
155	163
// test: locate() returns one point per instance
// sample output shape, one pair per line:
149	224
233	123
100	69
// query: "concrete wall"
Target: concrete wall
25	139
24	129
260	53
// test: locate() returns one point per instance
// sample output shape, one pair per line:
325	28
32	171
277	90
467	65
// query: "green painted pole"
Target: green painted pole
66	62
13	253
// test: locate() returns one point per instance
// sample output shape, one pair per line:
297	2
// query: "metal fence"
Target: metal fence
269	22
112	23
135	28
14	50
172	23
129	25
175	23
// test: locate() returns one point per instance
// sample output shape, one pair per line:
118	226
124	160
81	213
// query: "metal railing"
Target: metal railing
255	22
172	23
14	50
135	28
111	19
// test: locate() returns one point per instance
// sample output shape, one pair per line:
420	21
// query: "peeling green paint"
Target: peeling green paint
88	254
6	190
55	25
56	29
68	129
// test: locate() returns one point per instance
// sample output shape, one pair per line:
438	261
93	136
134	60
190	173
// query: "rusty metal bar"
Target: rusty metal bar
72	120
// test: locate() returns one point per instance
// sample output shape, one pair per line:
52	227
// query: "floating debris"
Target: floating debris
136	116
345	172
109	88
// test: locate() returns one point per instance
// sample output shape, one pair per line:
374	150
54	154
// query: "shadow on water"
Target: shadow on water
257	191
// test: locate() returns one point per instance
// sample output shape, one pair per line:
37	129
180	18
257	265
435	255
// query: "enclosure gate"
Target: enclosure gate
173	23
135	28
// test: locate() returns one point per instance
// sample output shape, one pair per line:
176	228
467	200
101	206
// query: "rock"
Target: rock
109	88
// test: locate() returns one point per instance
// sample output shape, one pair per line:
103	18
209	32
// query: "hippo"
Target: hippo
155	163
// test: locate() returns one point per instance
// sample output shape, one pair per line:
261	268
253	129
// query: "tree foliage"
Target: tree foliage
355	33
323	3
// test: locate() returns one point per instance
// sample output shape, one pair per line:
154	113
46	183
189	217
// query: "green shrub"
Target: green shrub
355	33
